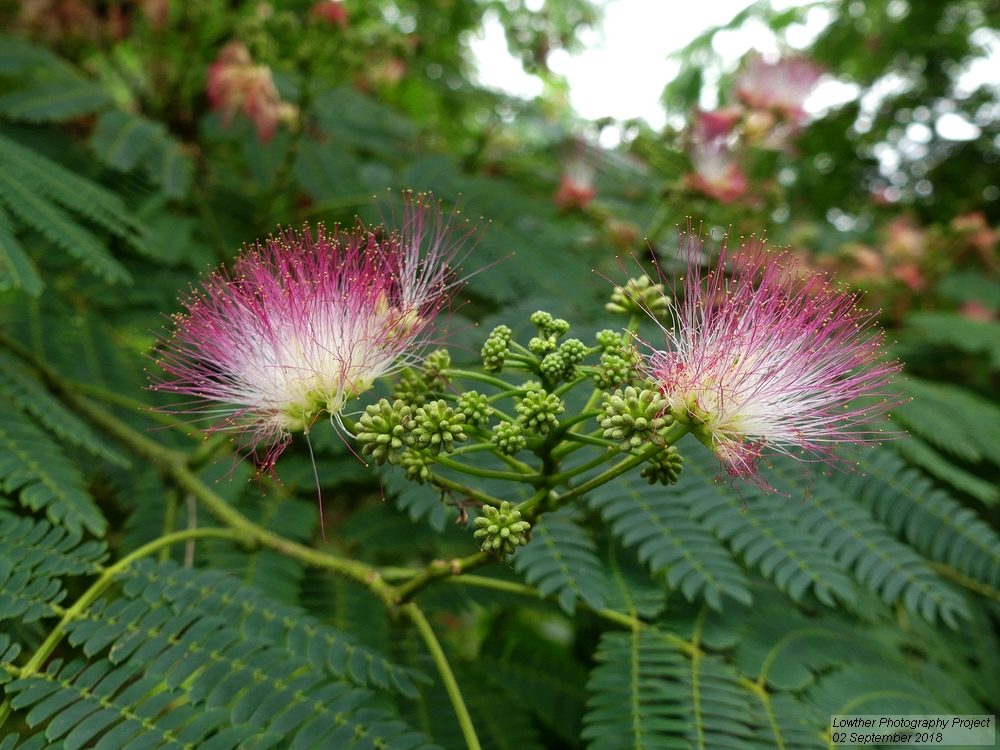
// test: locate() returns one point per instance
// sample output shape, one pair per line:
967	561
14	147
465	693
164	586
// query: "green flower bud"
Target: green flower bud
384	430
614	371
542	345
612	341
410	389
639	296
418	468
501	530
553	366
436	362
537	411
549	327
438	427
665	468
508	438
632	416
495	349
573	351
476	408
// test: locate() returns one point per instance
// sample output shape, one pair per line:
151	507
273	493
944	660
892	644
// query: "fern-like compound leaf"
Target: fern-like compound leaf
561	560
32	465
649	518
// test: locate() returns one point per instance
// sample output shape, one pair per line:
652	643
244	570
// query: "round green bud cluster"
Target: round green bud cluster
436	363
632	416
561	364
639	296
550	330
615	370
418	468
501	530
438	427
612	341
495	349
384	430
538	410
410	389
617	360
664	468
508	438
476	408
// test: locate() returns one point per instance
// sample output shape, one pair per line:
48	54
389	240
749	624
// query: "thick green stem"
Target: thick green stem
479	377
440	569
449	484
412	611
474	471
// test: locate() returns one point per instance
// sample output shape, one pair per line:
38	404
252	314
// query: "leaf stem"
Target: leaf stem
412	611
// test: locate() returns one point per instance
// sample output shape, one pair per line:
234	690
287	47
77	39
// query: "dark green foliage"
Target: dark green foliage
668	540
560	560
43	477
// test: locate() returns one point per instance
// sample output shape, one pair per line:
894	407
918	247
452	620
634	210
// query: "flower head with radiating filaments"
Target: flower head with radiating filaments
305	322
761	358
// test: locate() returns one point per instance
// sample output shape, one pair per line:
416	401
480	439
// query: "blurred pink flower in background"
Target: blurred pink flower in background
781	87
717	172
235	84
332	12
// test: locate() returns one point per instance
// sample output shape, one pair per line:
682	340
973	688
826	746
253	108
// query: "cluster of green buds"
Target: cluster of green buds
640	296
665	467
618	359
633	416
386	429
438	427
537	411
501	530
429	417
495	349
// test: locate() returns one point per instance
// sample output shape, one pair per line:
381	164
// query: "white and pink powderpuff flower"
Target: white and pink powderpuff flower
234	84
717	172
761	358
782	86
302	324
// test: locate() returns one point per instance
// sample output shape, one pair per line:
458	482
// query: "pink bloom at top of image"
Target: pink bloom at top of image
717	172
781	86
761	359
716	123
576	186
235	84
331	11
300	325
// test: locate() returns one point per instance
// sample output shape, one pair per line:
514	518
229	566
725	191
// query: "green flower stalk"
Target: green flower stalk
438	427
384	430
633	416
537	412
501	530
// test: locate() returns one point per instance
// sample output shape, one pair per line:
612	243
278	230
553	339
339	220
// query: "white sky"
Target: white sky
624	68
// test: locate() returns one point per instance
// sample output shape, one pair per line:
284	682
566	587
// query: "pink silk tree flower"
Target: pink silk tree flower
763	358
781	86
235	84
717	172
302	324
